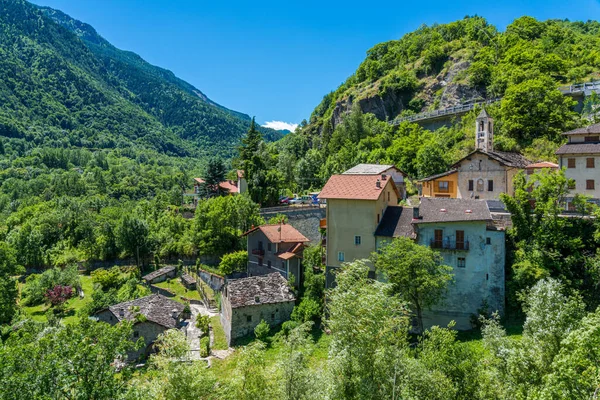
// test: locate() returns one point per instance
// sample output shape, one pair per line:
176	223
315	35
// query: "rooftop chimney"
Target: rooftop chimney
174	313
416	213
378	184
121	312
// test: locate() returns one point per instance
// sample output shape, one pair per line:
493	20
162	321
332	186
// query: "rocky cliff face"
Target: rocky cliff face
446	89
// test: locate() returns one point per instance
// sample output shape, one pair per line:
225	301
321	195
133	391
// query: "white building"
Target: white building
581	158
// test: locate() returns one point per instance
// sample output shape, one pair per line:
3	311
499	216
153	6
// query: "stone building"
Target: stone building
355	206
275	247
580	157
150	315
188	281
482	174
247	301
160	275
467	239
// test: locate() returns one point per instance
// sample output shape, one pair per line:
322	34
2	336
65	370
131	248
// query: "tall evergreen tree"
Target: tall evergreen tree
214	174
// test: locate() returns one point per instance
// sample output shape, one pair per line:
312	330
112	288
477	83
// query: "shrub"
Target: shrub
36	286
234	262
308	310
187	309
262	331
205	347
107	278
288	326
58	295
202	323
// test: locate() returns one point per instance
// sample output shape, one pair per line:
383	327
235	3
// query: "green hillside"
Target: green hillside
63	85
441	66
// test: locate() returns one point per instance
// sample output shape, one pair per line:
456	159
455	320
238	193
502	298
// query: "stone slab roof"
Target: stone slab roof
396	222
452	210
280	233
579	148
256	290
155	274
189	280
156	308
510	159
588	130
355	187
371	169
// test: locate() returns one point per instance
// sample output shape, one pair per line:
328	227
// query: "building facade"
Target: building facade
276	248
463	233
246	302
483	174
355	206
580	157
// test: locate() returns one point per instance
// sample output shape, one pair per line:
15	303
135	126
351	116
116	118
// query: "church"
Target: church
482	174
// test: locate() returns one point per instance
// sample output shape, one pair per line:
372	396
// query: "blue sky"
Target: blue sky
276	59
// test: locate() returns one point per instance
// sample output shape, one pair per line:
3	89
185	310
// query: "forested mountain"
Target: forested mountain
439	66
62	85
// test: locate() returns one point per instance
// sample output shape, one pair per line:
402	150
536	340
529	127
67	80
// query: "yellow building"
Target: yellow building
355	206
440	185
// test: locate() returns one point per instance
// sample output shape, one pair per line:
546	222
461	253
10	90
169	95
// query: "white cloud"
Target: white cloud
280	125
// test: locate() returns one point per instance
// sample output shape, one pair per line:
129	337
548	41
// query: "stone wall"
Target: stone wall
164	292
215	282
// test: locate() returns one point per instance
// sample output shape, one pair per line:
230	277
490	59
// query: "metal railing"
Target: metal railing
449	244
460	109
581	87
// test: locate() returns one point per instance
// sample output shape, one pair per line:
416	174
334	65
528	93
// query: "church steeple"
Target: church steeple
484	132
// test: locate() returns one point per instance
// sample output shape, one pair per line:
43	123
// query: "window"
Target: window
571	163
340	256
460	240
489	126
481	125
388	196
357	240
590	162
461	262
488	240
570	207
269	246
471	185
572	184
437	238
269	263
590	184
592	139
273	316
248	318
136	334
260	261
443	186
490	185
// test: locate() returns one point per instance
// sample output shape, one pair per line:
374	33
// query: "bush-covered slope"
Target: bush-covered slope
61	84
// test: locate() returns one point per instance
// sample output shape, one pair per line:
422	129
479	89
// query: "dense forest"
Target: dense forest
63	85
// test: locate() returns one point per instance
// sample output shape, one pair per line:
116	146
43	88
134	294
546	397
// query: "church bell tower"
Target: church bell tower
484	132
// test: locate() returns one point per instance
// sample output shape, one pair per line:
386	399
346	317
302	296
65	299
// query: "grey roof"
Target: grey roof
483	114
157	273
432	177
496	205
370	169
255	290
452	210
591	129
188	279
396	222
579	148
156	308
510	159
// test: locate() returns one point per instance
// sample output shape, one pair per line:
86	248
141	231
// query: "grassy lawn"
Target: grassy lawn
37	313
220	339
180	291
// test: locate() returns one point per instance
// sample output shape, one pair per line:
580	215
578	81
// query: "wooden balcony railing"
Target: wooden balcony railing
449	244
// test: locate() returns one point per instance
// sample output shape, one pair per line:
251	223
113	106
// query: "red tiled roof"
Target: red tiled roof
280	233
542	164
355	187
229	186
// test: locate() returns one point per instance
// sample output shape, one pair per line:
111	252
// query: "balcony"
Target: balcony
258	252
449	245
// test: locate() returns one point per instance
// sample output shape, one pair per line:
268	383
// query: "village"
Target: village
458	213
